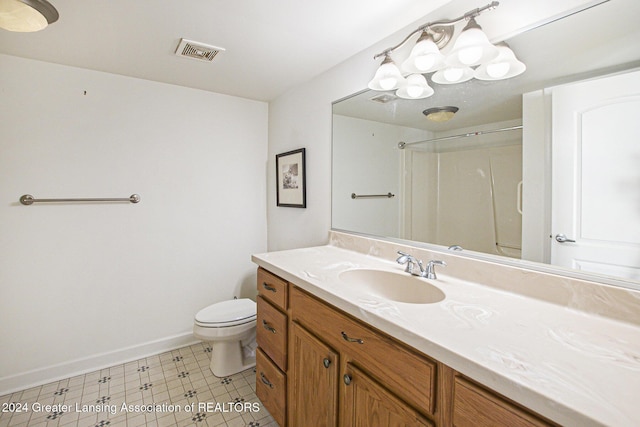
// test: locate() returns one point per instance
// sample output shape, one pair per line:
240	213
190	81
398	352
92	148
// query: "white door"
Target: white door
596	176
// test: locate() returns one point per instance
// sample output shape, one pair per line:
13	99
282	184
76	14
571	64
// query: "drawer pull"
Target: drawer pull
265	380
326	362
269	287
347	338
347	379
271	329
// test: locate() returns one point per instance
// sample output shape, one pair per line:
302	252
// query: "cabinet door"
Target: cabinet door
313	381
368	404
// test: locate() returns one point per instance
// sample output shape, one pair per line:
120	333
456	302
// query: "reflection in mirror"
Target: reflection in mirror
483	179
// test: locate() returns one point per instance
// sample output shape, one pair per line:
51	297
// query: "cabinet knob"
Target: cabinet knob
326	362
347	379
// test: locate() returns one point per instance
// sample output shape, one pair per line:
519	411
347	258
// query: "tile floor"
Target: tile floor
175	388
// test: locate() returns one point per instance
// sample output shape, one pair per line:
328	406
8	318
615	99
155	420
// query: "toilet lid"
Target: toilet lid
227	313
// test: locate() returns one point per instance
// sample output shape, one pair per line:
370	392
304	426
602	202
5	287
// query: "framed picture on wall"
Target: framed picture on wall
290	179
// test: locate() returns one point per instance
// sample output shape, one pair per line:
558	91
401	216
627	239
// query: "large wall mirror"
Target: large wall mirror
492	179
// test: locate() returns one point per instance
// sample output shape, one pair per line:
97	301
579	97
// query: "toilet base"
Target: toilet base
227	358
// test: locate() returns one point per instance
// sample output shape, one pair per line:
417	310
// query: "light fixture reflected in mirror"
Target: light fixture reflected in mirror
440	114
453	75
26	15
416	87
472	48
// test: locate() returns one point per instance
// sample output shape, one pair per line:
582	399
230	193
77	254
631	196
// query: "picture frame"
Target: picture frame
291	179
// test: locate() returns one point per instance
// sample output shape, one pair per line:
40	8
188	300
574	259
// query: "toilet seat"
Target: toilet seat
227	313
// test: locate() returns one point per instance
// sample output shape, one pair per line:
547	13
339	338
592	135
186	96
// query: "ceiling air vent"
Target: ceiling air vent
384	98
199	51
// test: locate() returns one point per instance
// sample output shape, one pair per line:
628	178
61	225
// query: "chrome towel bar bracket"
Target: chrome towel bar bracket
28	199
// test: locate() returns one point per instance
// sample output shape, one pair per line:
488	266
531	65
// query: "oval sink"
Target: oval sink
393	286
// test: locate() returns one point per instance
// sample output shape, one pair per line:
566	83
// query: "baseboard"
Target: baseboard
92	363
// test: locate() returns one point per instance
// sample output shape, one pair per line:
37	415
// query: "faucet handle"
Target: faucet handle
412	264
403	258
430	271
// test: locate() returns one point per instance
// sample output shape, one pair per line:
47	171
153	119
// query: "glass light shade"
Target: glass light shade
26	16
505	66
387	76
425	56
453	75
472	47
416	87
440	114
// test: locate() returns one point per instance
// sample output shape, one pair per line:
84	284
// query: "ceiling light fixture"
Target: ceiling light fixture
26	15
440	114
471	49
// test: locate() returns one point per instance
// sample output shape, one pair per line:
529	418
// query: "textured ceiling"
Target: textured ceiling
271	46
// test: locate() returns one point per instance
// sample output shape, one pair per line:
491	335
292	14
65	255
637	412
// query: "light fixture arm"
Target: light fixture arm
441	30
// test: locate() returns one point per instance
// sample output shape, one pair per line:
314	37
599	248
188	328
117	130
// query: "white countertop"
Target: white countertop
568	365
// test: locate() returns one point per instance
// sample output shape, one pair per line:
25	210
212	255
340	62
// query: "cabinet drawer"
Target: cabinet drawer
271	387
409	375
272	288
475	406
271	332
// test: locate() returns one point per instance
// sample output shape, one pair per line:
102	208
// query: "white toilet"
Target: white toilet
230	326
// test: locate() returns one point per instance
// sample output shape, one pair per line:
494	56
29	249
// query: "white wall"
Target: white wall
84	285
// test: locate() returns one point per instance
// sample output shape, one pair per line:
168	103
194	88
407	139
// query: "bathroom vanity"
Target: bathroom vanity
499	350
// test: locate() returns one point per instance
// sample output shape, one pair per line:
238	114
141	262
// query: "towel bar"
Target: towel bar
371	196
28	199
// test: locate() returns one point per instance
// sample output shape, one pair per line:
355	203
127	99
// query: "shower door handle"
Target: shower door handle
561	238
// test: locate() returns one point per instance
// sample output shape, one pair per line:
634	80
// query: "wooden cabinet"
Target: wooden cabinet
318	366
407	373
271	387
313	381
476	406
271	332
273	288
272	338
381	382
367	403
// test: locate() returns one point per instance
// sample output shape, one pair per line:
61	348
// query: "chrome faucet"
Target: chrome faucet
416	267
412	263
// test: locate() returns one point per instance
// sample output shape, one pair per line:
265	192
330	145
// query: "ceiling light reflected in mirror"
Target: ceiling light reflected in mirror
26	15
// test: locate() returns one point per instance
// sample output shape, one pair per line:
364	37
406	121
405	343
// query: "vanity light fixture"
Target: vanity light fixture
388	76
26	15
471	49
440	114
504	66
